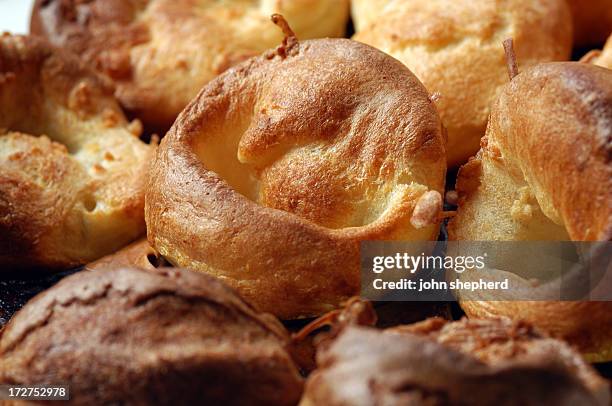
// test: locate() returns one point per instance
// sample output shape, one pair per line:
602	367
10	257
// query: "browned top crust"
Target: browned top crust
72	168
165	336
496	340
475	362
552	128
161	52
272	176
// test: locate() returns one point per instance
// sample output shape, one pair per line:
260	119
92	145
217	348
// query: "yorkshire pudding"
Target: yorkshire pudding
592	21
161	52
273	175
475	362
72	169
601	58
454	48
142	337
545	173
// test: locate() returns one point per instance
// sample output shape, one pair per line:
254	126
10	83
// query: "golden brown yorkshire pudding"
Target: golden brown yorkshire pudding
161	52
600	58
273	175
435	362
72	169
545	173
592	21
454	48
142	337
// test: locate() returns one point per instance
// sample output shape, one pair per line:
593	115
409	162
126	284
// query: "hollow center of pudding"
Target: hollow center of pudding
321	180
218	152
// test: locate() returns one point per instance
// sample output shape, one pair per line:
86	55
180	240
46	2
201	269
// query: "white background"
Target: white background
15	16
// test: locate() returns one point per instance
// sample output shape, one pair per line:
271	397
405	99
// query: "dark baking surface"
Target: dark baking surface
14	293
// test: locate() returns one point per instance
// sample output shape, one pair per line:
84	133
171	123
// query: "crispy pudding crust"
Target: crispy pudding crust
72	169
